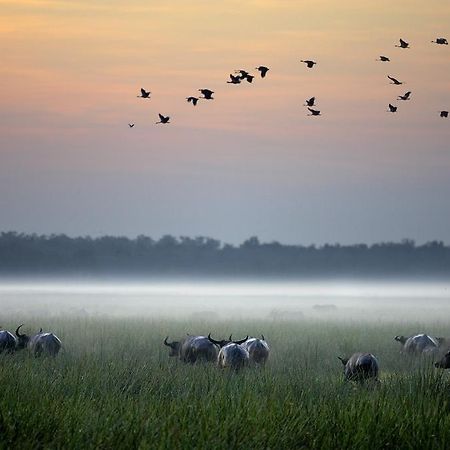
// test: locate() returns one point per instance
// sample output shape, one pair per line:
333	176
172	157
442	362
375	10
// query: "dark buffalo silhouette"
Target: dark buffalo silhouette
192	349
444	362
8	342
420	343
39	344
360	367
258	350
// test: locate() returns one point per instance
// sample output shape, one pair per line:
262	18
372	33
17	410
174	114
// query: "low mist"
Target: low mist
210	301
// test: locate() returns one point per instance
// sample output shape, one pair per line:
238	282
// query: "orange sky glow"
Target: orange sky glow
249	162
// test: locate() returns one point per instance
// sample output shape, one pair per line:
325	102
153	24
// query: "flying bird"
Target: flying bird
262	70
131	125
392	108
207	94
444	114
383	58
310	102
144	93
405	96
192	100
314	112
309	63
440	41
403	44
243	73
235	79
394	80
163	119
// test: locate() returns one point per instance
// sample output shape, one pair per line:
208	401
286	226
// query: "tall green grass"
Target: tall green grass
114	386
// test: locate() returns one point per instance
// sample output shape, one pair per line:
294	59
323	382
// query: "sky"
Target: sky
251	161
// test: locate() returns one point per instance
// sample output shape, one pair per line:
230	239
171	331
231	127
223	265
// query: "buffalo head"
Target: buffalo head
174	347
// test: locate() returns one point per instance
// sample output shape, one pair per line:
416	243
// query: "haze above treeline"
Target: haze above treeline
35	255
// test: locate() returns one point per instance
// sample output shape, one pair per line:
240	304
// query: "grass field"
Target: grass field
114	386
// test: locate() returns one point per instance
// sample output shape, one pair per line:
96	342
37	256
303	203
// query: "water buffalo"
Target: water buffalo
444	363
360	367
258	349
39	344
192	349
232	354
419	343
8	342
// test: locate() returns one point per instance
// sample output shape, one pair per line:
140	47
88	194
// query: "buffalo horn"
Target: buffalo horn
17	331
241	341
214	341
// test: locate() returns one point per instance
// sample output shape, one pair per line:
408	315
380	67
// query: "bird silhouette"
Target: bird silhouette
444	114
207	94
392	108
383	58
314	112
262	70
235	79
243	73
249	78
394	80
163	119
440	41
192	100
310	102
405	96
309	63
131	125
144	93
403	44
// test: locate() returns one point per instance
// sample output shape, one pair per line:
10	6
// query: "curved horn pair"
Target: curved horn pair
241	341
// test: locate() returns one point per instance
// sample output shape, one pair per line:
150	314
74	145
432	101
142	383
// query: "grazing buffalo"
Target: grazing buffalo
39	344
444	363
360	367
232	354
192	349
8	342
258	350
419	343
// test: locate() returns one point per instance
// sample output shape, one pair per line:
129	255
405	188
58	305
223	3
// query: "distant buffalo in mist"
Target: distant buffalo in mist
232	354
192	349
420	344
8	342
360	367
258	350
39	344
444	362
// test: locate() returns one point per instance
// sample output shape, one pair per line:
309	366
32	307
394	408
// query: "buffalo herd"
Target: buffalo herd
38	344
236	354
227	353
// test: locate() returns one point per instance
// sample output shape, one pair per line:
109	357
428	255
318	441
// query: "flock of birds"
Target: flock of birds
241	76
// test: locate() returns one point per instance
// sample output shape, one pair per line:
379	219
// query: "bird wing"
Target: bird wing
143	91
402	42
161	116
394	80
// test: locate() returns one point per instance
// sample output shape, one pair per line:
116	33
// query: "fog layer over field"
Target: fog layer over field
223	301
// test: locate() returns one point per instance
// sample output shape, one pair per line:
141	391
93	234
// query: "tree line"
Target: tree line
202	256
